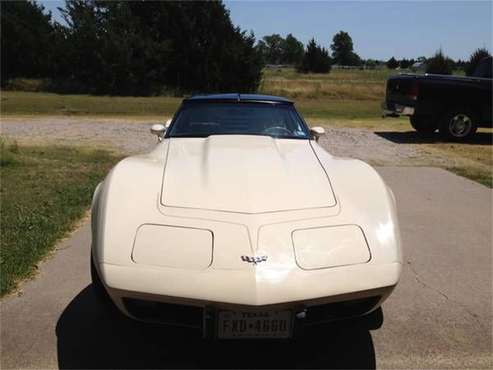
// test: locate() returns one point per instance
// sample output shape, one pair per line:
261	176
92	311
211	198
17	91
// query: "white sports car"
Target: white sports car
240	225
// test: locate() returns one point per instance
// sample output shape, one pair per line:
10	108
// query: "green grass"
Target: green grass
335	74
327	109
471	160
339	94
37	103
44	191
480	175
351	94
352	85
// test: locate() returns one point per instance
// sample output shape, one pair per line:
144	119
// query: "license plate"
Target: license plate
269	324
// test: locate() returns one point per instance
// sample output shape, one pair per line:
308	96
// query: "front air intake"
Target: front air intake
340	310
165	313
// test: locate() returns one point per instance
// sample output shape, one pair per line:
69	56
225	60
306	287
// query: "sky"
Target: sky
379	29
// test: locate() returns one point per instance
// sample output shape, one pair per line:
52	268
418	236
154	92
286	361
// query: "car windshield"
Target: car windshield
204	119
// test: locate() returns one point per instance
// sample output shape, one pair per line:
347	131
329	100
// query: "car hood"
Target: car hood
244	173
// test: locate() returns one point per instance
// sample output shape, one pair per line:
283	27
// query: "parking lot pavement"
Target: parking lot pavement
439	316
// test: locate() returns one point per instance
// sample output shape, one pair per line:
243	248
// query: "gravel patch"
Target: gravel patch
125	135
366	145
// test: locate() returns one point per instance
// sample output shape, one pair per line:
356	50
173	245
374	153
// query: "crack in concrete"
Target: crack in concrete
420	280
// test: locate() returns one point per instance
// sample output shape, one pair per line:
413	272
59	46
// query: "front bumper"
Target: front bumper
258	286
193	299
203	316
396	110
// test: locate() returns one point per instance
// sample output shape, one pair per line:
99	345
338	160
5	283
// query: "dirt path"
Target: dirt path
132	136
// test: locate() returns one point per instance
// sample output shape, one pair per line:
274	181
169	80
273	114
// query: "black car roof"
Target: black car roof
234	97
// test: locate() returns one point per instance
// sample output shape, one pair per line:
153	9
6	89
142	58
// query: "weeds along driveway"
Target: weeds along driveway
382	147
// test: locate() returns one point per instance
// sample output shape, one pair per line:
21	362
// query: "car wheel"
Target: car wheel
423	125
99	290
458	125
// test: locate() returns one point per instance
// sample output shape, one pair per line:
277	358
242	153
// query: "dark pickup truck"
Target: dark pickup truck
454	105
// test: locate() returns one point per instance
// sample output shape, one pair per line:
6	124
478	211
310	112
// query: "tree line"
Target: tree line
148	48
161	47
316	59
276	50
440	63
129	48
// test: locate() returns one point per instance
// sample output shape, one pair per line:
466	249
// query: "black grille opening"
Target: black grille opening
166	313
337	310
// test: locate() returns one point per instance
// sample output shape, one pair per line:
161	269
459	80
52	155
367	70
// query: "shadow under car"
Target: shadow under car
90	337
412	137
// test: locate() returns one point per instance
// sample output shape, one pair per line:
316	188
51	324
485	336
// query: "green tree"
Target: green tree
316	59
262	50
392	63
294	50
406	63
439	64
342	50
80	65
474	60
26	40
370	63
143	48
460	64
275	48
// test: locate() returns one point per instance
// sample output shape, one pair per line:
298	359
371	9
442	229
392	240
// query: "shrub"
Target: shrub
392	63
474	60
316	59
440	64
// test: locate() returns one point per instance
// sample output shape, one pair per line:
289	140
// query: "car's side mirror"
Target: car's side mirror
158	129
316	132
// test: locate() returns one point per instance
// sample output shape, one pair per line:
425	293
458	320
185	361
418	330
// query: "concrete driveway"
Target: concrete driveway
439	316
